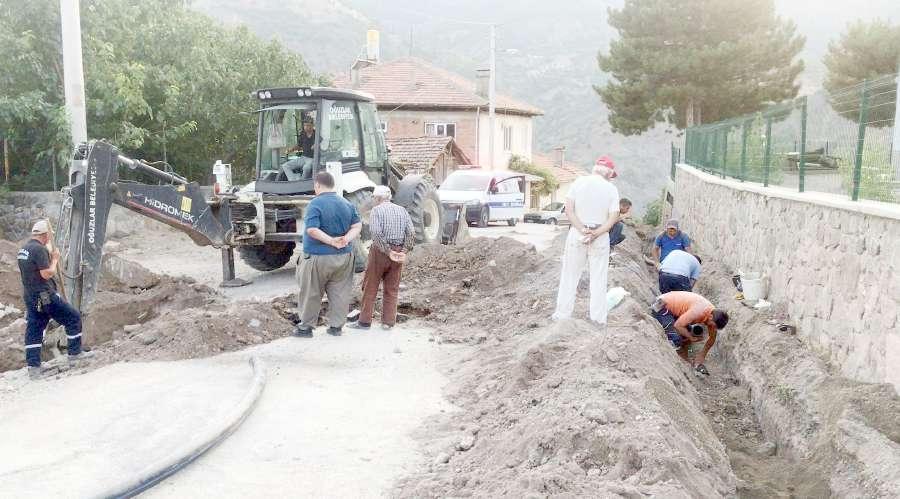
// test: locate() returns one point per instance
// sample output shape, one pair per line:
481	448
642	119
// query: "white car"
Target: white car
553	214
487	195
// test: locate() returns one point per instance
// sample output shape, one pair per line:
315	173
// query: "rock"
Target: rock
614	415
442	458
767	449
397	350
612	356
148	338
492	263
254	323
131	328
112	247
466	443
555	382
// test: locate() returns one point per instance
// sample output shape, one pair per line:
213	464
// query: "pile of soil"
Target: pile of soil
559	408
149	317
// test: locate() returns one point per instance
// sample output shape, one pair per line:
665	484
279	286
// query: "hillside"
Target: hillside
549	64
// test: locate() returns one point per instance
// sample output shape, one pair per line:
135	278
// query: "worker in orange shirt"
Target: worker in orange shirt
683	316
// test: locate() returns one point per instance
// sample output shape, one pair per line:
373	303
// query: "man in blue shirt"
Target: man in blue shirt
671	239
326	266
678	271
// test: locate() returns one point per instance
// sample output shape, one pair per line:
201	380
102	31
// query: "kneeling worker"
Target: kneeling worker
42	302
679	271
680	313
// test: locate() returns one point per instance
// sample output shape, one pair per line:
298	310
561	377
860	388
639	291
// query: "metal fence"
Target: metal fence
842	142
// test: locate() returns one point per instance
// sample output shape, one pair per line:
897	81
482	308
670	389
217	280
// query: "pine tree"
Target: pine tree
866	51
687	61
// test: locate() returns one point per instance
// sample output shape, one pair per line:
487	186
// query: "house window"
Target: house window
435	129
507	137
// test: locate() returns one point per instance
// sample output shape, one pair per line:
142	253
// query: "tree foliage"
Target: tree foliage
547	186
726	58
866	51
160	81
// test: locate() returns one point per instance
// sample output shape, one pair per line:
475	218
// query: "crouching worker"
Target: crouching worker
679	271
683	316
38	266
393	235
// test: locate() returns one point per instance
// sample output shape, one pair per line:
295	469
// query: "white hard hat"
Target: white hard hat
41	227
382	191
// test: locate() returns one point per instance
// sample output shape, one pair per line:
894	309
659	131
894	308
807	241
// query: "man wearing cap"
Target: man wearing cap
592	205
678	271
393	235
331	224
37	266
671	239
683	316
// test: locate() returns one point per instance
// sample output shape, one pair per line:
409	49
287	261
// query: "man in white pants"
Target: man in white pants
592	205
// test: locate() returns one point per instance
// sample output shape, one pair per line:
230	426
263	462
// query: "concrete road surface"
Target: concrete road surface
335	420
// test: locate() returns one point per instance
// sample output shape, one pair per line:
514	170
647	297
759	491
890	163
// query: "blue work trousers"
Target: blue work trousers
61	312
673	282
615	234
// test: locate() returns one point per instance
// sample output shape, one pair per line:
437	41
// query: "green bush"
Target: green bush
547	186
653	213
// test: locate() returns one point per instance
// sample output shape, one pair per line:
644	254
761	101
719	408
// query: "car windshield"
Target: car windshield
463	182
553	207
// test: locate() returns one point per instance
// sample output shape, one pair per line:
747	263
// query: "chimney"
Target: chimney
482	81
559	156
372	54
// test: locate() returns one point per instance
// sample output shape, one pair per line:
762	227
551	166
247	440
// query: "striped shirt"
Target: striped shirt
391	226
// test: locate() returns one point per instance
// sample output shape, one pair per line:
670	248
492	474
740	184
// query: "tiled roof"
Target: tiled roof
565	173
422	151
411	82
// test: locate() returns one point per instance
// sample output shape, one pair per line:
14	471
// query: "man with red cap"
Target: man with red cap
592	205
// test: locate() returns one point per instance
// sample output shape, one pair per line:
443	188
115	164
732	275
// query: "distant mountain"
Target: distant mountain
546	55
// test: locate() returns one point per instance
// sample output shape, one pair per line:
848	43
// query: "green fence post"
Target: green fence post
768	157
861	139
744	130
724	151
802	159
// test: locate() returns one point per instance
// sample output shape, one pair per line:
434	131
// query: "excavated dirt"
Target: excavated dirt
145	317
550	409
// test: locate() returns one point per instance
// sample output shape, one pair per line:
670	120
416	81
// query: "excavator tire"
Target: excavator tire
269	256
418	195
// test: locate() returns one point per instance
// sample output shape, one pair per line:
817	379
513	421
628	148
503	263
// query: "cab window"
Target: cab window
373	141
340	134
280	130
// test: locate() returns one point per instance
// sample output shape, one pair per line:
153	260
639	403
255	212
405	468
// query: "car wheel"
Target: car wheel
512	222
552	221
484	217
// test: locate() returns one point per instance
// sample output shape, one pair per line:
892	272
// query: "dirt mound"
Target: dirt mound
558	408
572	410
498	288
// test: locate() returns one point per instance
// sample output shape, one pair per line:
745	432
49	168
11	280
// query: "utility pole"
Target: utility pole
73	73
492	95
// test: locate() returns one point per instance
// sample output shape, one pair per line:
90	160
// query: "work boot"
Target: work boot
334	331
80	358
359	325
35	372
303	331
701	369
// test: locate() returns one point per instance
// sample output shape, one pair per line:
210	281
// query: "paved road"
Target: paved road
335	420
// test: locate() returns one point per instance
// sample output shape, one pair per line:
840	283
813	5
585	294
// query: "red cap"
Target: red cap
607	162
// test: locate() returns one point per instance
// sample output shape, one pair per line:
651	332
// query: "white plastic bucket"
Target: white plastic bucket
753	286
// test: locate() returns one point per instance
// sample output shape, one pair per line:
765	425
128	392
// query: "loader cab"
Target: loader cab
346	133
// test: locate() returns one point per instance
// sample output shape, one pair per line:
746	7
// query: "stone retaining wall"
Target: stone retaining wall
19	211
832	263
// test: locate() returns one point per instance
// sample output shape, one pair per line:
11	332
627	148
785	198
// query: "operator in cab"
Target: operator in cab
42	302
301	167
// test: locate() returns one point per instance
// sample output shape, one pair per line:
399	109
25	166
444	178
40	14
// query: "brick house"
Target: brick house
415	98
436	156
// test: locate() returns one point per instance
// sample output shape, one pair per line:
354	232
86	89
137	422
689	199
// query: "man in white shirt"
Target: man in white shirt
592	205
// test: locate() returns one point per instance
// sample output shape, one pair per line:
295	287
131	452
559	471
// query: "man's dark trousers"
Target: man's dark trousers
58	310
615	234
673	282
381	269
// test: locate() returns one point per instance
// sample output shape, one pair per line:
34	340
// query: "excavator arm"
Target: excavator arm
94	185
